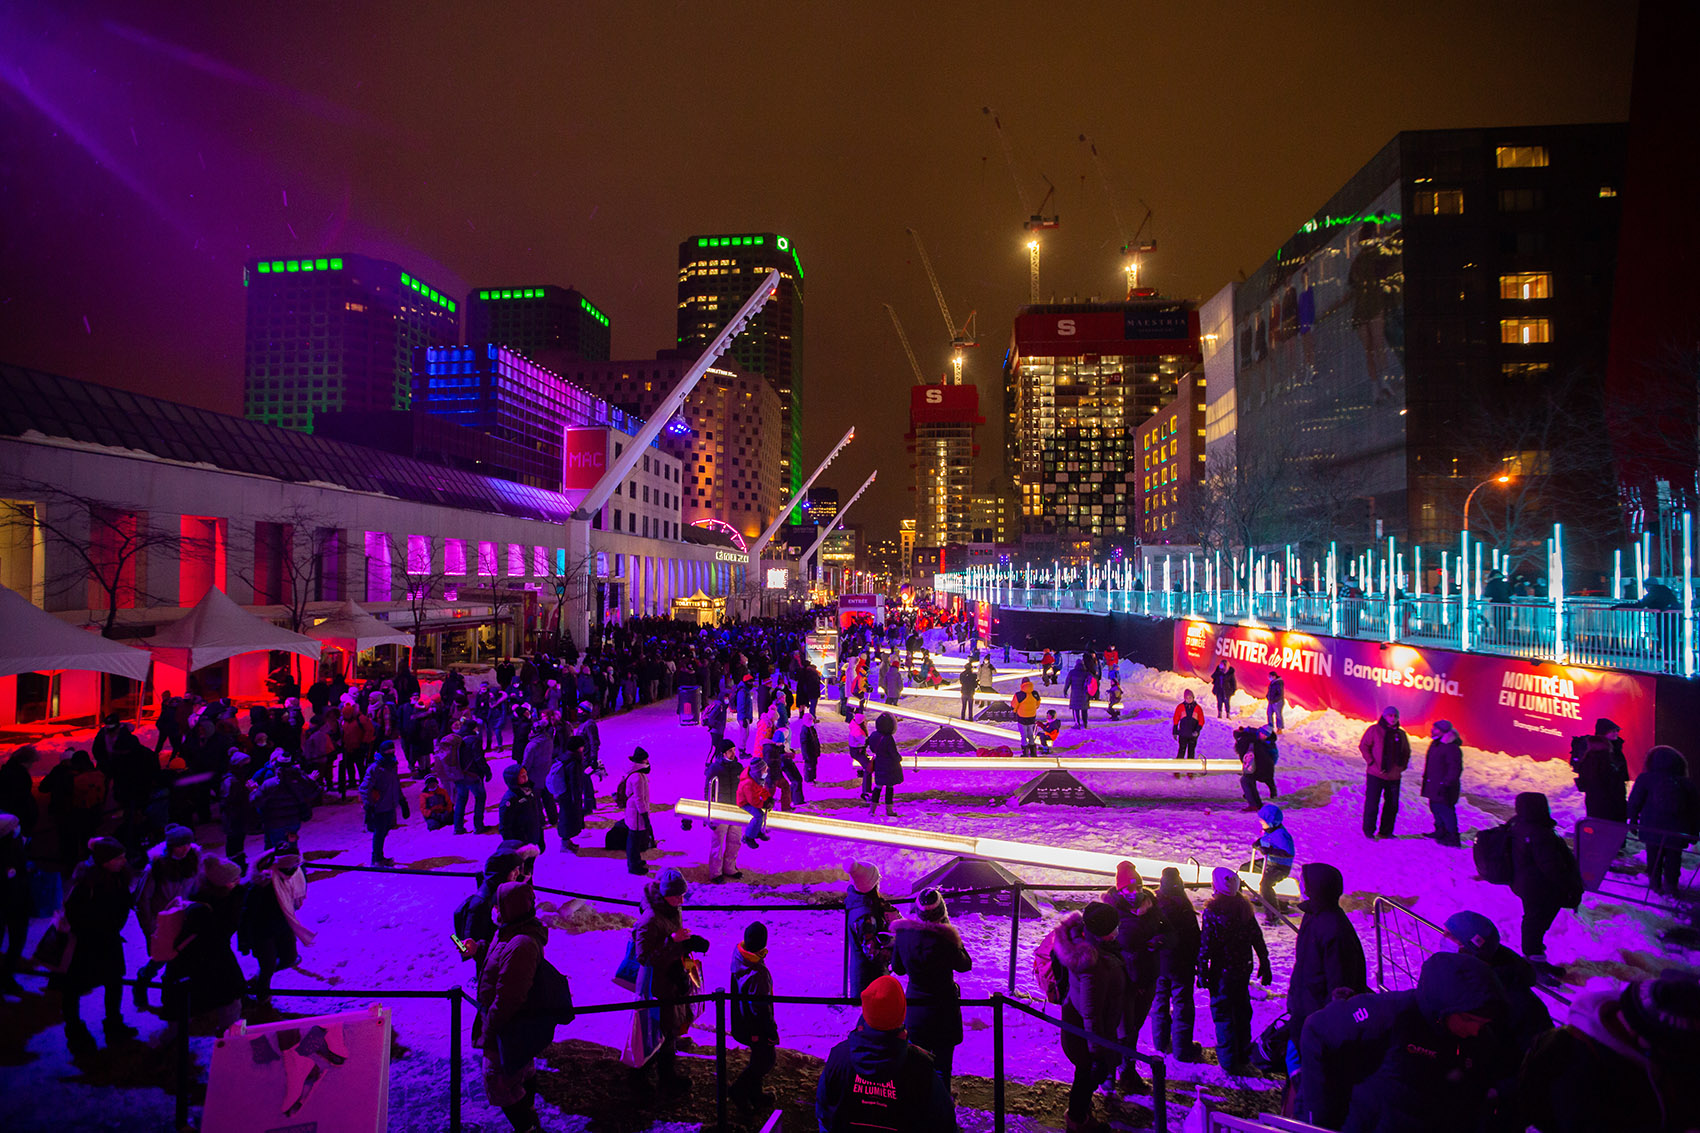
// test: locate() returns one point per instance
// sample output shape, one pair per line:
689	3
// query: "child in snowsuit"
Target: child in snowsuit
756	797
1227	941
434	804
1049	728
1276	845
753	1022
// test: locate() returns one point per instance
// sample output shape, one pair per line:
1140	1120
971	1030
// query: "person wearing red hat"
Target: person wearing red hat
876	1079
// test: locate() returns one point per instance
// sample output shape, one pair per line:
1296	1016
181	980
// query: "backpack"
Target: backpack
163	944
1492	852
621	794
1048	972
1578	748
88	789
872	940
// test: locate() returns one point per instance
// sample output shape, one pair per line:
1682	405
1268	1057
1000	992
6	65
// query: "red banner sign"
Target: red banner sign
583	458
1496	703
944	405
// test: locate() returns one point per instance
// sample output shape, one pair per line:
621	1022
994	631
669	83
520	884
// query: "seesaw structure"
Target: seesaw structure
967	846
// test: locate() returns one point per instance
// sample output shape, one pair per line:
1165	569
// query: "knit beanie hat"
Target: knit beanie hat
501	863
755	936
221	873
883	1004
1473	932
640	757
176	835
1101	920
672	882
1224	880
780	737
103	850
1663	1013
864	876
1171	881
930	906
1127	874
515	901
1604	727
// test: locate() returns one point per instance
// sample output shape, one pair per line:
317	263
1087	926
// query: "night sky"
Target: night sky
148	149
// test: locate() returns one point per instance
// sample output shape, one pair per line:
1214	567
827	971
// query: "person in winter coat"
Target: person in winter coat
1049	729
1544	874
808	742
1188	723
1275	702
76	796
714	719
783	765
1258	754
1025	705
1443	774
877	1079
519	815
857	741
538	756
1328	959
1228	939
96	908
174	866
640	830
236	808
270	930
1084	944
868	917
809	689
1526	1016
929	950
663	945
17	789
968	683
756	799
434	805
1048	667
562	782
1139	938
752	1017
1173	1009
204	978
720	786
1387	752
1602	774
475	917
1417	1061
1113	699
284	801
1079	693
1276	846
986	675
887	762
505	983
891	682
1664	811
472	771
15	902
1622	1063
382	795
1224	682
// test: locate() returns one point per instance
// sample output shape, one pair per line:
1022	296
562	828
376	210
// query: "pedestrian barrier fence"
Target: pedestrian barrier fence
1404	939
1600	845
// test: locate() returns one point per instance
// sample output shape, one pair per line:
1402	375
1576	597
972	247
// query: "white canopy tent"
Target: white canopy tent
354	630
33	640
218	629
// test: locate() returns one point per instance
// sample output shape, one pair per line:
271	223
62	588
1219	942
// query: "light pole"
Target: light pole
1505	479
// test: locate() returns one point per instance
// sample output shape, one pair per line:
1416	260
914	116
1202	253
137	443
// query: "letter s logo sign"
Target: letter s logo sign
935	397
1065	327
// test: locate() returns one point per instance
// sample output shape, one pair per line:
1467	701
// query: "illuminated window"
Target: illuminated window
418	554
1607	191
1526	285
1439	202
1524	332
454	556
1520	157
487	559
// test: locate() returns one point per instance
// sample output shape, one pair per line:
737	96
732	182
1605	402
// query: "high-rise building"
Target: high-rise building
531	320
905	547
1170	448
716	275
337	332
995	514
1441	320
728	435
820	506
1085	377
500	392
942	423
1221	418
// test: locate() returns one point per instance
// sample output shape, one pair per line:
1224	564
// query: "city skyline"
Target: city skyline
174	145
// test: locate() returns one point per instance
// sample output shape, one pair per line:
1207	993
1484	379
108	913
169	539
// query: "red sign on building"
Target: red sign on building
584	458
944	405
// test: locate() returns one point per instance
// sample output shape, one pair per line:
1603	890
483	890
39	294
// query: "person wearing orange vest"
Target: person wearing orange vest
1025	704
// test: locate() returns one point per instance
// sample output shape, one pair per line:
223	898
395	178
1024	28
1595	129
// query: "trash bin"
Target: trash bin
690	705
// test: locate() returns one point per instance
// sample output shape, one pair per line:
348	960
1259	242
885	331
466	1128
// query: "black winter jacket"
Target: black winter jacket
1664	797
1139	935
1228	938
1329	954
1543	868
752	1020
1177	954
930	953
917	1101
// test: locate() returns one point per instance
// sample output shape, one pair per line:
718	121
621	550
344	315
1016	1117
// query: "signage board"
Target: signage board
584	458
778	578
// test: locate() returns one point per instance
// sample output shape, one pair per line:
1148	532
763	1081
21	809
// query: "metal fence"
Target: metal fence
1404	939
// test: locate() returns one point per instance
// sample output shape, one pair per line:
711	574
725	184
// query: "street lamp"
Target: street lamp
1506	479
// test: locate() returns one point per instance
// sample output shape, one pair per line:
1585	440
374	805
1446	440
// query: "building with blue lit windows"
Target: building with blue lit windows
716	275
531	320
336	332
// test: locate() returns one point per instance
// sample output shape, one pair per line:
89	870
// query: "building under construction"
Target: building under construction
942	424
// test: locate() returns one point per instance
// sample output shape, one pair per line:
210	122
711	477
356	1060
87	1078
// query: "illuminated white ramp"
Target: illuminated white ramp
1129	764
916	714
966	845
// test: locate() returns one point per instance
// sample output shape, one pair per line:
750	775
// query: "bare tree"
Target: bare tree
289	567
98	547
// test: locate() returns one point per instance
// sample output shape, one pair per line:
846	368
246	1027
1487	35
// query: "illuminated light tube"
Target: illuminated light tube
956	694
1071	763
967	845
960	725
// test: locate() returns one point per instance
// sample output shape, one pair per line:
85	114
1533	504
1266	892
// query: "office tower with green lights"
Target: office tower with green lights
716	274
534	320
334	333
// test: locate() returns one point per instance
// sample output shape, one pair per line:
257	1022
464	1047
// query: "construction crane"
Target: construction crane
1036	217
907	349
1132	247
961	337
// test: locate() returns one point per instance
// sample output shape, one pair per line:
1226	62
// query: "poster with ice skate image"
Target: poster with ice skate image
323	1074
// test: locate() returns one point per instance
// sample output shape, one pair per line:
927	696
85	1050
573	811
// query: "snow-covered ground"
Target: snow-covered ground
379	931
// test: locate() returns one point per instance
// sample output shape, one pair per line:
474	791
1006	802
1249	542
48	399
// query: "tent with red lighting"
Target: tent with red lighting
353	630
218	629
34	641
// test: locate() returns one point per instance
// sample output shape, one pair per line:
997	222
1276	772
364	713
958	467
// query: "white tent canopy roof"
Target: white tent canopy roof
218	629
352	627
33	640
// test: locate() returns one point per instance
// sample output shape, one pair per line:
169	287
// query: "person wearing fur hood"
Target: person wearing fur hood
504	984
929	951
1139	936
663	944
1085	945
